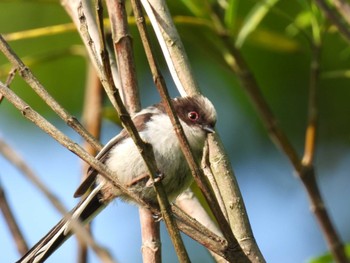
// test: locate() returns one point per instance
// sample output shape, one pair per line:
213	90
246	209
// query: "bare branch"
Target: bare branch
205	164
196	171
308	175
334	18
185	224
146	149
150	233
305	173
31	80
122	41
19	163
171	45
92	119
167	34
11	221
150	228
190	204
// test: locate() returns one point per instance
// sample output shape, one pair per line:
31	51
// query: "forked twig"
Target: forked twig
31	80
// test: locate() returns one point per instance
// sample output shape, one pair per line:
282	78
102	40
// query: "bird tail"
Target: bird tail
84	212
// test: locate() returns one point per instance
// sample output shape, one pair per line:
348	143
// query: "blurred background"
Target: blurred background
278	52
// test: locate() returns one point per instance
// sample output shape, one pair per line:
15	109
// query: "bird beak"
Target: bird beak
208	128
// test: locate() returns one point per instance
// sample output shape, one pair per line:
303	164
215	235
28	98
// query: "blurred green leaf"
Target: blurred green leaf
199	8
231	14
253	19
274	41
327	258
301	22
110	114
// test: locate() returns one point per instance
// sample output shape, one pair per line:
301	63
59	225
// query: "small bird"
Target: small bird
197	116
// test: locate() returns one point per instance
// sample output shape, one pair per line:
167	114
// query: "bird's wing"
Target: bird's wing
139	120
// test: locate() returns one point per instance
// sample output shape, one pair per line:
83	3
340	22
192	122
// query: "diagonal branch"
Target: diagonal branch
304	172
183	222
171	45
334	18
167	34
5	208
144	149
19	163
31	80
196	171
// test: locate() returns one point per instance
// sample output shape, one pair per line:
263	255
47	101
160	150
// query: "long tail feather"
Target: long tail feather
84	211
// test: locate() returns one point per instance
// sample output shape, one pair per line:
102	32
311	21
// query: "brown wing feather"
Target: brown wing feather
139	121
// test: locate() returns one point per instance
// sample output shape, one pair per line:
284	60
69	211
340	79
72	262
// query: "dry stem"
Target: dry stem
11	221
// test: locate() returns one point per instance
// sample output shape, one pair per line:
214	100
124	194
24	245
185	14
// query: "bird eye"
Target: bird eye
193	115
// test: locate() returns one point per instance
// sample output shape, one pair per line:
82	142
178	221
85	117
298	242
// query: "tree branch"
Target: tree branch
31	80
196	171
20	164
11	221
167	34
150	228
334	18
305	173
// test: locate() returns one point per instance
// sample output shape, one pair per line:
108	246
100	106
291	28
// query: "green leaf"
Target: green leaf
327	258
253	19
231	14
274	41
199	8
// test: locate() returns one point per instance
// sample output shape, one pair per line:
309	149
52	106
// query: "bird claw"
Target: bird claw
157	217
159	177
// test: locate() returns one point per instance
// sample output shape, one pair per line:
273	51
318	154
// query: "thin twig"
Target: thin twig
281	140
47	127
192	208
20	164
32	81
101	168
196	171
164	21
334	18
5	208
194	229
9	80
122	42
308	174
305	173
150	228
92	119
65	141
123	47
205	163
343	9
171	45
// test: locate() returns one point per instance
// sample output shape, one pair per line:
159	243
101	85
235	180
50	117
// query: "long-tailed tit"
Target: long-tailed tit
197	117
